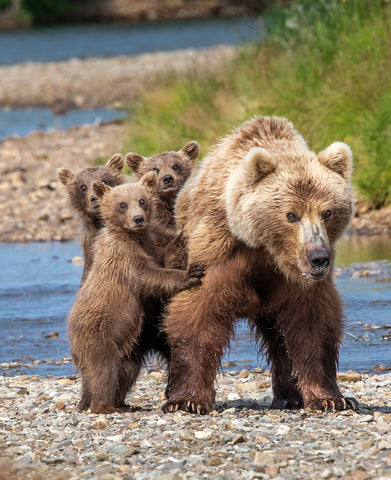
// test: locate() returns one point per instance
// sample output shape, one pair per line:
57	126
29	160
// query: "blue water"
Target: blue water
22	121
38	284
99	40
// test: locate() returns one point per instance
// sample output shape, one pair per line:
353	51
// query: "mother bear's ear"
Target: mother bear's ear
258	163
338	157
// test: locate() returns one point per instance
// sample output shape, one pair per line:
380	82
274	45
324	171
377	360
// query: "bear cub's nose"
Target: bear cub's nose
168	179
319	258
138	219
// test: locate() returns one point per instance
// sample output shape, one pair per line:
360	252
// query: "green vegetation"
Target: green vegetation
324	65
4	4
47	11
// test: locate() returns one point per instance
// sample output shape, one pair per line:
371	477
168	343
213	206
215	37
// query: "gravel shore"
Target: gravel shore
43	436
99	82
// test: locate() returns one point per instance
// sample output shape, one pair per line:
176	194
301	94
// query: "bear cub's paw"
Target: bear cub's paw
189	407
337	403
194	274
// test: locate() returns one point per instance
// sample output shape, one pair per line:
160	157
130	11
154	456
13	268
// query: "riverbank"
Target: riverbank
100	82
45	437
123	11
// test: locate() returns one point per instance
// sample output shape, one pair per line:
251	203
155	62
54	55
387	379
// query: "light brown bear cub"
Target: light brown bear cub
106	321
84	199
263	214
172	170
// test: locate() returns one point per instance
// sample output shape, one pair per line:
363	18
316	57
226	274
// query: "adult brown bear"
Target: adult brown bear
262	214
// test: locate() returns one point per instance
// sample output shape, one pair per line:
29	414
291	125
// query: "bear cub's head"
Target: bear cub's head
172	168
126	207
79	185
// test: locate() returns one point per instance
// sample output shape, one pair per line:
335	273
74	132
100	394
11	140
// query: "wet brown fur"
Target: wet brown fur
79	186
233	214
113	323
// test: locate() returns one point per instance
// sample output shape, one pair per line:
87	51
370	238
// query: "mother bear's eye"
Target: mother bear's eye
292	217
326	214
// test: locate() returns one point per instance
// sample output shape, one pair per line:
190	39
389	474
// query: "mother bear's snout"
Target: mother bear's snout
319	258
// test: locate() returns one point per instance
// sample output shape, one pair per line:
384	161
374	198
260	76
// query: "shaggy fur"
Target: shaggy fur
262	214
114	322
84	199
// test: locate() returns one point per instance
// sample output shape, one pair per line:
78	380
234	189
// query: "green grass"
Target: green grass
325	66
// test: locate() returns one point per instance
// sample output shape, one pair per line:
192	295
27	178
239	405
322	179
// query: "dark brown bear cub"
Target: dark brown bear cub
106	321
172	170
84	199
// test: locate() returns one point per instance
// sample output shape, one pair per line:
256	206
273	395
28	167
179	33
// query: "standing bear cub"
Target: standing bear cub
106	322
85	201
262	214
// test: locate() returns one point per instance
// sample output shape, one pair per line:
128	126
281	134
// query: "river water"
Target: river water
51	44
38	284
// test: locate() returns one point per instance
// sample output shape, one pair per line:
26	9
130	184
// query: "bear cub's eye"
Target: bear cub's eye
292	217
141	201
175	167
326	214
123	205
83	188
104	181
155	170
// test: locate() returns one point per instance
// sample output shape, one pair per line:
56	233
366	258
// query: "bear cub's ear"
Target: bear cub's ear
258	163
65	175
338	157
116	162
191	150
101	189
149	181
134	161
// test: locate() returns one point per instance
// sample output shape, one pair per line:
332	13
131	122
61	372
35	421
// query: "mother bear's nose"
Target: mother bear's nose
319	258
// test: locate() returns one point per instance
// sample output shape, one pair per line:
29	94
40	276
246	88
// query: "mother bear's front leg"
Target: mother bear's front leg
310	322
199	324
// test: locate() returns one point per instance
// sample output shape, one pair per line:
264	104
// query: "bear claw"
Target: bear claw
189	407
338	403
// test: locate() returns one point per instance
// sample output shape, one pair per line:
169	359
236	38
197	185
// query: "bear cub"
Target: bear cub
85	201
106	322
164	175
172	169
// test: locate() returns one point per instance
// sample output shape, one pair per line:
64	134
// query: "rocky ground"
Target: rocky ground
43	435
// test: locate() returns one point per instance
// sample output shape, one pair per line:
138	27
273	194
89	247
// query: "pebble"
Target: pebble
44	436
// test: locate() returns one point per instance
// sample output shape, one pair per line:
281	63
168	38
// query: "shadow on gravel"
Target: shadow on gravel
242	404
